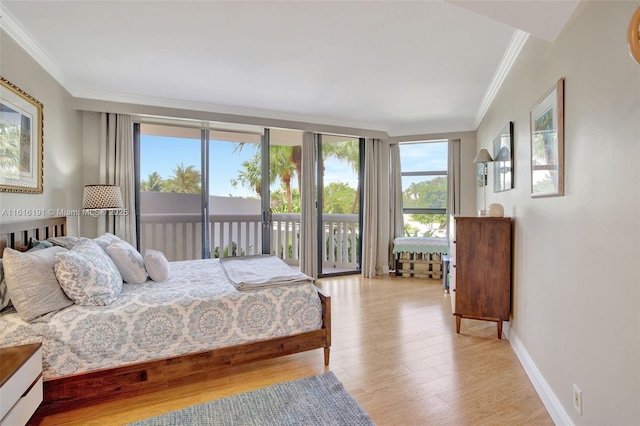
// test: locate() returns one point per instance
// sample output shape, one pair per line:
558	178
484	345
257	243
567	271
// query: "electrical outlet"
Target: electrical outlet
577	399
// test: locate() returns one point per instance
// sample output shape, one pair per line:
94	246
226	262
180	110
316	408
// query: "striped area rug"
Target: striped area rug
317	400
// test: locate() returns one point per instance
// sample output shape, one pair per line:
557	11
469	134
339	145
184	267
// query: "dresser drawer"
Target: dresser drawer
20	382
25	407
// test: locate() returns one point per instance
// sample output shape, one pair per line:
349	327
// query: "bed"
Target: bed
158	331
420	257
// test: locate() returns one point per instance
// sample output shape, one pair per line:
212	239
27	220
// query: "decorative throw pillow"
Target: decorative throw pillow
128	261
157	265
88	275
67	242
4	293
105	239
31	282
38	245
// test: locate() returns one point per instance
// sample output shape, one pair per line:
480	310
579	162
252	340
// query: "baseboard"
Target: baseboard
551	402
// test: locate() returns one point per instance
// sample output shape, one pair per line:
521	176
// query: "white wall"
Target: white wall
576	304
169	202
62	137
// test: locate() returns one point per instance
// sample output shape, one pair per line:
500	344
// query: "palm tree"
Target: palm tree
251	175
280	165
346	150
184	180
153	183
9	148
286	163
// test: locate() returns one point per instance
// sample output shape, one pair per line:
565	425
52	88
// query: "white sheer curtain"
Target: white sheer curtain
308	237
116	168
396	219
453	178
375	209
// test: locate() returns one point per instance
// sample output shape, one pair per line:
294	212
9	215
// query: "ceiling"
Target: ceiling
399	67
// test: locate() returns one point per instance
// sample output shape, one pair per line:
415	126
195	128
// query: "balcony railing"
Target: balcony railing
179	237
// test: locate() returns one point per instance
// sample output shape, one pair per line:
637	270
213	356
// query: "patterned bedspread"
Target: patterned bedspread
196	309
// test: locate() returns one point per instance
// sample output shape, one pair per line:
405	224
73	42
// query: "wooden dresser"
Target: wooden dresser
20	383
481	269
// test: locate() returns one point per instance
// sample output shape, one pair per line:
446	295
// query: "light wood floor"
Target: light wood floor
395	350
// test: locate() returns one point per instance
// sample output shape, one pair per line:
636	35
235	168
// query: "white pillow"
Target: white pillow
88	275
129	262
31	282
157	265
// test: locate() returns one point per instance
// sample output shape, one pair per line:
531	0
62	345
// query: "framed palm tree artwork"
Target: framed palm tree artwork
21	140
547	143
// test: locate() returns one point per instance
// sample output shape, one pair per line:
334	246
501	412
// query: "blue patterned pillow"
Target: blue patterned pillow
87	274
4	294
105	239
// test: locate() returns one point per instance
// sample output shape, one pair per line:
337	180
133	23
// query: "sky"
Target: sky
162	154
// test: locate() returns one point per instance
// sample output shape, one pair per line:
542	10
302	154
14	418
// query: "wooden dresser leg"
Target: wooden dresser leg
499	329
458	321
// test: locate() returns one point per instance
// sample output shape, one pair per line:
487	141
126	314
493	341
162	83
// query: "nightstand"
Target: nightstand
20	383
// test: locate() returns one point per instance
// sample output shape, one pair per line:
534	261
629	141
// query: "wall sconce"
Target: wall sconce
483	158
633	38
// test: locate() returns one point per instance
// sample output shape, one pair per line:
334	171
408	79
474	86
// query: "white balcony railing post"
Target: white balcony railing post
179	236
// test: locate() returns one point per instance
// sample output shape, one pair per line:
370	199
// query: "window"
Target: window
424	188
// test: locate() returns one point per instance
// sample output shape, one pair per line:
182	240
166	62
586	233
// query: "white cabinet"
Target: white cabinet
20	383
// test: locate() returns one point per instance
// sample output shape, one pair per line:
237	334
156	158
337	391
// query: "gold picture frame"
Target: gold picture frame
547	143
21	140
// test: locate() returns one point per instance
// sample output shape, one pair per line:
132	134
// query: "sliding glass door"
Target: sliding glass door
339	201
215	193
170	213
234	177
198	196
283	198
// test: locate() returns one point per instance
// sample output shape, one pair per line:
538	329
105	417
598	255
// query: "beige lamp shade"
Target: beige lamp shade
102	197
483	156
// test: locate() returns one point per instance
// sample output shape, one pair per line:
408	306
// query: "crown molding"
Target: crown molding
508	59
11	26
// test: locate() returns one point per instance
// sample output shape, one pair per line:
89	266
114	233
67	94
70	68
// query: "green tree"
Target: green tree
9	148
281	166
184	180
154	183
285	163
348	151
338	197
251	175
426	194
278	201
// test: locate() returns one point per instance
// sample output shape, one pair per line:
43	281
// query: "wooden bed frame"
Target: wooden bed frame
88	388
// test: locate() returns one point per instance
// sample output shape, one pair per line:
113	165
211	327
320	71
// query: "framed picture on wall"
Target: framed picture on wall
481	177
547	143
21	140
503	159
